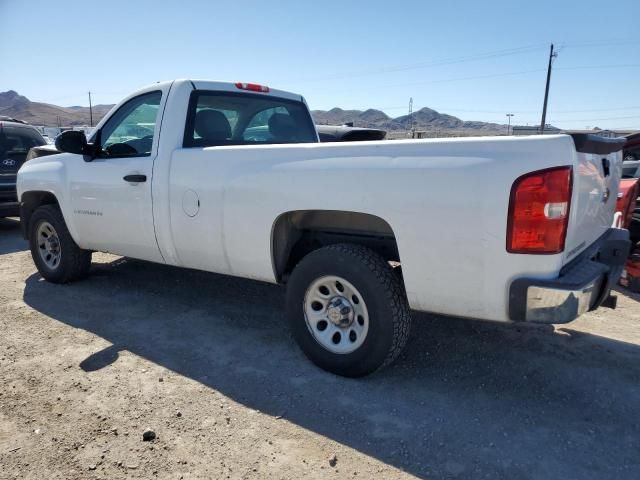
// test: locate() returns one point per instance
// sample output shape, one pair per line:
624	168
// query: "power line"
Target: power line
432	63
598	67
463	59
474	77
449	61
498	75
607	43
469	58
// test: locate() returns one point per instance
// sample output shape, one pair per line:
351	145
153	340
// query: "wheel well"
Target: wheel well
30	201
297	233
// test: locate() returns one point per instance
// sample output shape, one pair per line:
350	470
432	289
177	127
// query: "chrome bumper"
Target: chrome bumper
583	285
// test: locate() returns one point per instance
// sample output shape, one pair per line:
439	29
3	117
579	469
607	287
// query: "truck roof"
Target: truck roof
200	84
232	87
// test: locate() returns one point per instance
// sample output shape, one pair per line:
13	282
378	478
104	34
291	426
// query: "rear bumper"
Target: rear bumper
583	285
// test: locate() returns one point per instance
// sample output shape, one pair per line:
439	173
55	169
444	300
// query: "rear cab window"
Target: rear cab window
219	118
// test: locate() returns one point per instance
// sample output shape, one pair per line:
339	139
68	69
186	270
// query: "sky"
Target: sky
477	60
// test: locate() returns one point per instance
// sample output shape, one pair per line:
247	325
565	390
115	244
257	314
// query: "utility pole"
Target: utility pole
552	55
411	117
90	110
509	115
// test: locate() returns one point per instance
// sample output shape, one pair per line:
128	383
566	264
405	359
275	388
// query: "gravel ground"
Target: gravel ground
207	363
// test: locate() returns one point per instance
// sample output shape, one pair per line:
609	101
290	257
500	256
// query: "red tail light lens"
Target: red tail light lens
253	87
539	211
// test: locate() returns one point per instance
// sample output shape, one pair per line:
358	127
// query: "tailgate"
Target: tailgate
596	175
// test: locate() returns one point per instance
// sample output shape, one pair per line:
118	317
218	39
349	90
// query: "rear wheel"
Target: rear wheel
347	310
55	253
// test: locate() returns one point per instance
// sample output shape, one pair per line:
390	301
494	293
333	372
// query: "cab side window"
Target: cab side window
129	132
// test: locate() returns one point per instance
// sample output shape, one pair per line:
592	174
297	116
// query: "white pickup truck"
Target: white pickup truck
231	178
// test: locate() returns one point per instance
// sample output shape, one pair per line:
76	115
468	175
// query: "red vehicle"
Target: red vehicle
626	204
625	207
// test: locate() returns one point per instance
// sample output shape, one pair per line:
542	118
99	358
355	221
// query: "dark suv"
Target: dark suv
15	141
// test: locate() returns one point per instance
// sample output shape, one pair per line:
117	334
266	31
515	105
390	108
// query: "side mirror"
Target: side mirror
72	141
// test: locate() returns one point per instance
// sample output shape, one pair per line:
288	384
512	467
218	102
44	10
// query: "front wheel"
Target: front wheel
55	253
347	310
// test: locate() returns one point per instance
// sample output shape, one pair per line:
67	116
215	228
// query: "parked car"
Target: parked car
631	157
360	232
16	138
626	207
631	149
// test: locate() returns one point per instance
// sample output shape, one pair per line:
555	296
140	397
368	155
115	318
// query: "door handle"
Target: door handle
135	178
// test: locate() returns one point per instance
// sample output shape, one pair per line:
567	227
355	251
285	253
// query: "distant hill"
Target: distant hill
17	106
423	119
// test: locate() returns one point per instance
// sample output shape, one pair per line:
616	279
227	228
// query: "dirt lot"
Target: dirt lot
207	363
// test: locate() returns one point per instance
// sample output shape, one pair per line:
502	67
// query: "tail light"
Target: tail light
539	211
253	87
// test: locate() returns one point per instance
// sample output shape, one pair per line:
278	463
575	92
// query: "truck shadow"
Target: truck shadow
466	400
11	240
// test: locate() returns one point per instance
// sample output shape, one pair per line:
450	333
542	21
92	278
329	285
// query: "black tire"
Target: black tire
74	262
382	292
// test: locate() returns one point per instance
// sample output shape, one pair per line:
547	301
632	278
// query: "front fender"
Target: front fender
48	174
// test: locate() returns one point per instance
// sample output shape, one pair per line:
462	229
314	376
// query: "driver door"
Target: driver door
111	195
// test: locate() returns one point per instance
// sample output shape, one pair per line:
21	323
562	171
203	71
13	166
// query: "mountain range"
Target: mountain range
423	119
14	105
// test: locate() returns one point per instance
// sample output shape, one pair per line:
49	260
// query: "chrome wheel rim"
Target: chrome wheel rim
336	314
48	245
